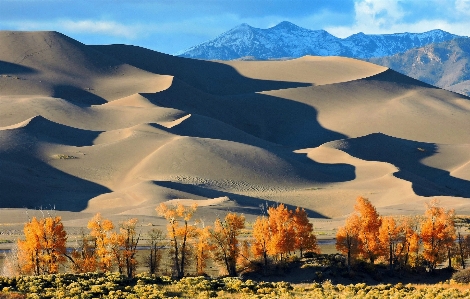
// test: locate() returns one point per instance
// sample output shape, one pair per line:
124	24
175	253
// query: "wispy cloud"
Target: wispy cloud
97	27
389	16
101	27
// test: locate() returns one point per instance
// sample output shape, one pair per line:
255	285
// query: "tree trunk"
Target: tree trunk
462	257
449	258
183	251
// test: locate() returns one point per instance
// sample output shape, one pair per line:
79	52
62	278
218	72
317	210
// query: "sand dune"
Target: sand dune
389	103
315	70
119	129
52	64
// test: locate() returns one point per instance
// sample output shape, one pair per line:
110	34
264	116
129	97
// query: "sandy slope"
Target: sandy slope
119	129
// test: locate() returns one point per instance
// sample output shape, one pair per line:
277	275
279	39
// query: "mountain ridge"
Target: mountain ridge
287	40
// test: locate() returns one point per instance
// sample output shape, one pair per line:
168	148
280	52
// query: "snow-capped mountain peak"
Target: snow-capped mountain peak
287	40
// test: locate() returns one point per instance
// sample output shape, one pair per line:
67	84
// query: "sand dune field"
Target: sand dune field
119	129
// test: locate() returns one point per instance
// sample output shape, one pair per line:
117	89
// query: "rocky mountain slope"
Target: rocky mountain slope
287	40
446	64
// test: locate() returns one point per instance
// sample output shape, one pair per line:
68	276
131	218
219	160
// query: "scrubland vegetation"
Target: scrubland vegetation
114	286
282	243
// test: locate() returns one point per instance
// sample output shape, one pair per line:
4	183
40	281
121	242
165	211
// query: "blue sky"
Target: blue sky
170	26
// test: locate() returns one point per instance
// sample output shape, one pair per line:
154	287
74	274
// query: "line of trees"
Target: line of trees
227	243
274	237
403	241
44	251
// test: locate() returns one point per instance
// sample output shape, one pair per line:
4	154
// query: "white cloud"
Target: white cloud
462	7
377	13
109	28
387	16
100	27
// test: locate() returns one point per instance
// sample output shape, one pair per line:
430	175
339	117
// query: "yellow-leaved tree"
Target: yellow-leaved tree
347	238
224	237
203	248
129	241
83	255
180	232
44	247
101	230
437	233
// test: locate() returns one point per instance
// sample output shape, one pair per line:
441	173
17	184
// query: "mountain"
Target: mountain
445	64
287	40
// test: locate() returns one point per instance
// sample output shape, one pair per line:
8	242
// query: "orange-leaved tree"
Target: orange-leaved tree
370	221
282	234
179	234
305	240
244	256
437	233
83	255
408	247
44	247
261	237
203	248
347	238
224	237
390	237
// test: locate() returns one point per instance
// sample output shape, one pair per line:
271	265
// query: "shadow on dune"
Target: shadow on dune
218	91
34	184
77	96
394	77
205	127
406	155
13	68
208	76
40	129
246	204
273	119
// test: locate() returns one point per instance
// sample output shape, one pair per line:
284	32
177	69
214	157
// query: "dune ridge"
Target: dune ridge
119	129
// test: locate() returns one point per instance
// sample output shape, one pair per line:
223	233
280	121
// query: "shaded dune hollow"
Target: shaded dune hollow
119	129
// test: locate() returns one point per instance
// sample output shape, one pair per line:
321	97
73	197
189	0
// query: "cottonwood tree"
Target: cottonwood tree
44	247
408	246
347	238
202	248
305	240
261	237
244	256
437	234
102	232
180	234
83	255
224	237
282	233
370	222
153	259
129	240
390	235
